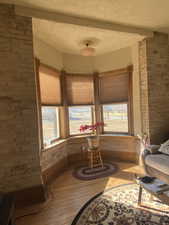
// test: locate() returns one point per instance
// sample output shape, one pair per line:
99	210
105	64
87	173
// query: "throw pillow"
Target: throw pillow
164	148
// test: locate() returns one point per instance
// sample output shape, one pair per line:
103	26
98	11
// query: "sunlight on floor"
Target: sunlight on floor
69	194
127	175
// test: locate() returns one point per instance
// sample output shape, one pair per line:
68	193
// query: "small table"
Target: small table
156	188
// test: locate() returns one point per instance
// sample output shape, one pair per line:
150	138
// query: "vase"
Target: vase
93	142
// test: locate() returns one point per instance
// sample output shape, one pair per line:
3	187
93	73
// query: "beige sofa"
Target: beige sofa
156	164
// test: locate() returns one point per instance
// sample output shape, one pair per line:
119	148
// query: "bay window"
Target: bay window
50	97
80	98
115	98
50	124
71	100
115	117
79	115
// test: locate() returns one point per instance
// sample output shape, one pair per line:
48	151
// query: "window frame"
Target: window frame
128	119
58	128
92	122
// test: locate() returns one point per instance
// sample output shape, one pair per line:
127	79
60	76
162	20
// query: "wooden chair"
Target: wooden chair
94	153
95	158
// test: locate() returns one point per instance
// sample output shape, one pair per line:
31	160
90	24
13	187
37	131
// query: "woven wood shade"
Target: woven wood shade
80	89
114	87
49	86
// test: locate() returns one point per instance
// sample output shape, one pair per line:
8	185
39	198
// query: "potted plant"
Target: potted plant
93	140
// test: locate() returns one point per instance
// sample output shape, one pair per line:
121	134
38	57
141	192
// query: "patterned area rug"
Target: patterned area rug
86	173
118	206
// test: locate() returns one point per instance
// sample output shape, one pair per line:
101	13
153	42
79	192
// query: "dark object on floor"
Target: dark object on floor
86	173
6	209
147	179
117	206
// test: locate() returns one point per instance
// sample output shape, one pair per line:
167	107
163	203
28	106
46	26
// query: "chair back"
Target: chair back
93	142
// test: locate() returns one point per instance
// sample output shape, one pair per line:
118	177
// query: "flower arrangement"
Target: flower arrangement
92	127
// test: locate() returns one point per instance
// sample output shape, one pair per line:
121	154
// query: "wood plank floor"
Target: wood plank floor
67	195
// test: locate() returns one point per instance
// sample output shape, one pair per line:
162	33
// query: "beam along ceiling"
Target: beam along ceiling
150	14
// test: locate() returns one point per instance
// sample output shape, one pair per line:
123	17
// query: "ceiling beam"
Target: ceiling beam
81	21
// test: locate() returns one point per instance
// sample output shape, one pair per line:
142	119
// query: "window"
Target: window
80	90
79	115
115	117
50	86
88	98
50	124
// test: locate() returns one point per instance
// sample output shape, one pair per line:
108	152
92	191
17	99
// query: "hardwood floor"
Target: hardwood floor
67	195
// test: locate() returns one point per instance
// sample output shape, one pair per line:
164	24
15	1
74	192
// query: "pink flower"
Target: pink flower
92	127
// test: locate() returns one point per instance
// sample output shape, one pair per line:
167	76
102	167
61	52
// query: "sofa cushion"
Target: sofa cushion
165	148
153	148
159	162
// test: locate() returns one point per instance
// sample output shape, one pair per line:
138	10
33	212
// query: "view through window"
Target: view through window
50	124
79	115
115	117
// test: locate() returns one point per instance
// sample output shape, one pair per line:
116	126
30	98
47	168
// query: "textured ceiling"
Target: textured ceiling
68	38
146	13
151	14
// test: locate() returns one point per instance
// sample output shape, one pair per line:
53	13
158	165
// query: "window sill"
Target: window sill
118	135
79	136
60	141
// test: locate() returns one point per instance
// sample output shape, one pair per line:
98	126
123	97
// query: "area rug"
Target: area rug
118	206
86	173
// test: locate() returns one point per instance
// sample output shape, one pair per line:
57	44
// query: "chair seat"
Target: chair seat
159	162
93	148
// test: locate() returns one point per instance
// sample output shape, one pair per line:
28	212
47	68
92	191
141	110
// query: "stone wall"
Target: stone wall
19	154
154	86
144	86
54	161
136	90
125	148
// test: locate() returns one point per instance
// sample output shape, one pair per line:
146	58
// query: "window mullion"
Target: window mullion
130	101
64	115
97	105
37	64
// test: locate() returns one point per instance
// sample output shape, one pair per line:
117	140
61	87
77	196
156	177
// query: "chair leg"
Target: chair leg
95	159
101	161
91	155
89	159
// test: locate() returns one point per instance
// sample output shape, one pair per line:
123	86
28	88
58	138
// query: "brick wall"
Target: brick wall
136	90
19	147
113	147
54	161
144	86
154	86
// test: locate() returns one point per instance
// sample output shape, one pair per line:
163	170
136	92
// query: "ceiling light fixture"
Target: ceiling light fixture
87	50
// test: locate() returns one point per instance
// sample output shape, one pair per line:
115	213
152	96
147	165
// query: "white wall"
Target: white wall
111	61
78	63
114	60
81	64
47	54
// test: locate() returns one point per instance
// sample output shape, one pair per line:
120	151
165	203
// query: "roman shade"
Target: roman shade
50	87
79	89
114	87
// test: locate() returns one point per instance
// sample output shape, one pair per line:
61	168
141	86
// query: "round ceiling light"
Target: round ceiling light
88	50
